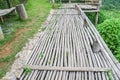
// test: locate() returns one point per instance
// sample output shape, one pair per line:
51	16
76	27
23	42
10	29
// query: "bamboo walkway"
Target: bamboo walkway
70	48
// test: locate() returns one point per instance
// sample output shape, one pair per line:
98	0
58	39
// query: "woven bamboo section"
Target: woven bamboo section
70	48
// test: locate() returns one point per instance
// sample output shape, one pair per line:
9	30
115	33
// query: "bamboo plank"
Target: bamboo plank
68	47
69	68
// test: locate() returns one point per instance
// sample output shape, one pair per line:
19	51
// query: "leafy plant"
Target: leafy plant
41	55
43	28
110	31
110	75
27	70
67	53
111	4
56	6
49	62
101	18
49	28
4	3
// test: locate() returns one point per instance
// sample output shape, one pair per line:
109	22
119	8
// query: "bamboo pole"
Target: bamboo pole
2	20
96	18
1	34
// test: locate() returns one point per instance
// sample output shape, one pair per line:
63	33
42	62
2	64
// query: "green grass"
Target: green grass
37	11
41	55
56	5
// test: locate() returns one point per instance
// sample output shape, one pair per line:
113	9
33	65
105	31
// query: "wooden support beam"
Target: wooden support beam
96	18
1	18
100	2
69	1
52	1
80	11
91	10
66	8
55	68
1	34
64	14
97	4
84	16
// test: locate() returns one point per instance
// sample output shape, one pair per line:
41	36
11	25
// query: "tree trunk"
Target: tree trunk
1	34
22	12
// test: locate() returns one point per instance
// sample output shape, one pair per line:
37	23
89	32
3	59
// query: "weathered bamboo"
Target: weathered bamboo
1	34
68	52
96	18
1	18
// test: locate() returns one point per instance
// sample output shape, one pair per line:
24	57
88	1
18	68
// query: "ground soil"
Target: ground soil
6	50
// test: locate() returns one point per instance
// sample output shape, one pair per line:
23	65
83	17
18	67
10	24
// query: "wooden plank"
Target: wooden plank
96	18
54	68
95	4
91	10
6	11
64	14
2	20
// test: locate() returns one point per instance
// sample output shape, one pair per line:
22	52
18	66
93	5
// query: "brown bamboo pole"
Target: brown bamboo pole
2	20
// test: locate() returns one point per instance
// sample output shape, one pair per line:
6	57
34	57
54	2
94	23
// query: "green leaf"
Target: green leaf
41	55
27	70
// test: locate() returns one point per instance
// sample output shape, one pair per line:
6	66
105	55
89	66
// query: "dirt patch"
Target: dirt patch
2	64
7	48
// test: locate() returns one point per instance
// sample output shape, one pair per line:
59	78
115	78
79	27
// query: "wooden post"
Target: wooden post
1	19
100	2
92	1
22	12
69	1
53	1
96	18
1	34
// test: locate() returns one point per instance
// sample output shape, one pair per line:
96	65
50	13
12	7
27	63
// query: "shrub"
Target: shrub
111	4
56	6
101	18
4	4
110	31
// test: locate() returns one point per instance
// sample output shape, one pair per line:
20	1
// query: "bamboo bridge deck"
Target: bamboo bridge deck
70	48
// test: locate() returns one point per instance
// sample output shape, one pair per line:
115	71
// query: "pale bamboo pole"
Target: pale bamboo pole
1	34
